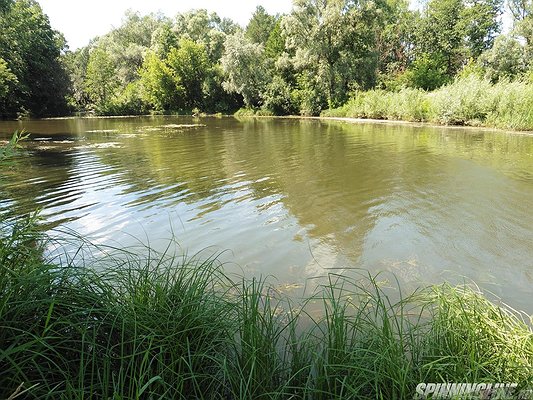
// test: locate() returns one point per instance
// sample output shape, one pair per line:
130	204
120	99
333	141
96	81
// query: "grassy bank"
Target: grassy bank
111	324
467	101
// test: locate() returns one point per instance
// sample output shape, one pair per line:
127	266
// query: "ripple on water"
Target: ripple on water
292	198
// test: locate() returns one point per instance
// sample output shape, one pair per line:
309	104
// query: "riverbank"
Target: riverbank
420	124
109	323
468	101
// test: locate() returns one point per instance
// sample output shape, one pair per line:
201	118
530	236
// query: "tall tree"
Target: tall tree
204	28
31	50
440	34
260	26
160	87
275	44
101	81
333	44
505	60
394	40
127	44
451	32
163	40
245	68
190	64
481	24
76	65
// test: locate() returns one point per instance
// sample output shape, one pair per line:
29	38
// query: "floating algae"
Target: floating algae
102	131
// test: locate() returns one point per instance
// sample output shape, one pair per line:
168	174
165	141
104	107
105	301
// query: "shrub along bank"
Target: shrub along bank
468	100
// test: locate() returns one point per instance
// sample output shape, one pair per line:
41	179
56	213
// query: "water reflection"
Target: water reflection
292	198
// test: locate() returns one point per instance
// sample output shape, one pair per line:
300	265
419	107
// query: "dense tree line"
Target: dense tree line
32	78
314	58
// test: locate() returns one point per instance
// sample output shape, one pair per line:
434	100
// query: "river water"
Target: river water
288	198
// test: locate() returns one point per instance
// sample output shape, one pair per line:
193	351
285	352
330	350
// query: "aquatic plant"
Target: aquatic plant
468	100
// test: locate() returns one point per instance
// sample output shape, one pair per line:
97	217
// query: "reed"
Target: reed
126	325
469	100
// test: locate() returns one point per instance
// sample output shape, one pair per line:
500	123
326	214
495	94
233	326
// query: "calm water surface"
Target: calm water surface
291	198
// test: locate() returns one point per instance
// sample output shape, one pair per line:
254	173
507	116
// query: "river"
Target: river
288	198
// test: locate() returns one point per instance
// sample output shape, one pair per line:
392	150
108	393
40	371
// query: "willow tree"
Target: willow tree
245	69
332	45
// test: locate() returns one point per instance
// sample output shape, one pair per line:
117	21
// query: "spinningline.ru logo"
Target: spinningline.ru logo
461	391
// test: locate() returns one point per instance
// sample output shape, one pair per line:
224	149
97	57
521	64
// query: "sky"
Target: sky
81	20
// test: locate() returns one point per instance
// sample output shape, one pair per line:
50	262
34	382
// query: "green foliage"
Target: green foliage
168	65
100	81
76	66
513	102
278	97
137	330
30	71
203	28
128	101
394	41
427	72
505	60
216	99
275	44
300	63
260	26
5	5
466	101
410	105
331	44
132	326
523	22
244	112
7	79
10	149
127	44
471	68
245	68
449	33
475	356
160	88
469	100
439	36
163	40
190	65
480	22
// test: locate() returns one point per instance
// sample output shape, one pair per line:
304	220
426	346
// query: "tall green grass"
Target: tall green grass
127	325
107	323
468	100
